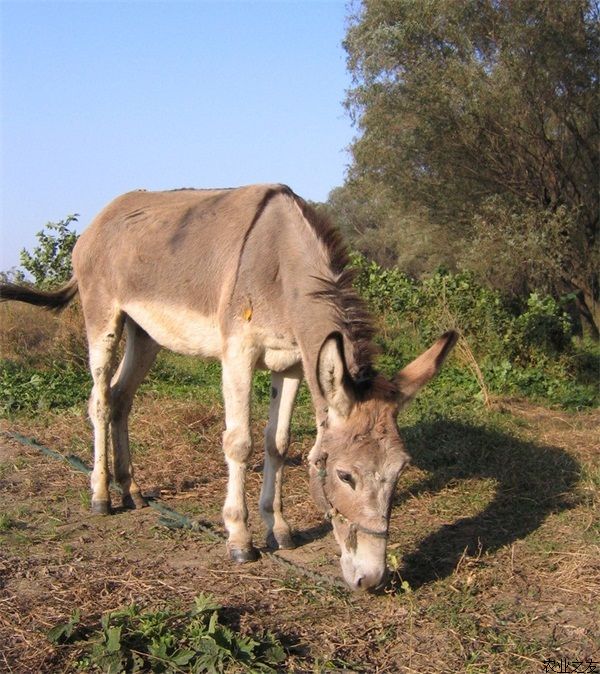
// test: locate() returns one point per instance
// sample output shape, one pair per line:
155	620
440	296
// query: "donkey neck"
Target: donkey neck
317	313
316	288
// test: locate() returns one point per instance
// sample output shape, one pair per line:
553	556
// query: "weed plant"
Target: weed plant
164	640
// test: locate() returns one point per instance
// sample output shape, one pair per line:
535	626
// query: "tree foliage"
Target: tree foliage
50	262
380	226
484	107
533	248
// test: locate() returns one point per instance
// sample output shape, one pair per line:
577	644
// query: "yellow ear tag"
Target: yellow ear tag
247	314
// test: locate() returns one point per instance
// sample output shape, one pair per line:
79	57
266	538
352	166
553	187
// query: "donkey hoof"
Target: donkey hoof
242	556
134	501
101	507
282	541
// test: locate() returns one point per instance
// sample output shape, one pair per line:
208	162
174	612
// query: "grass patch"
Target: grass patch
179	376
27	388
7	522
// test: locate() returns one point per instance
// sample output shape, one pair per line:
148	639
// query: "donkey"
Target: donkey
255	277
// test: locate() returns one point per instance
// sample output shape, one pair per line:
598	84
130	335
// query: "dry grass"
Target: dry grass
27	333
495	528
492	607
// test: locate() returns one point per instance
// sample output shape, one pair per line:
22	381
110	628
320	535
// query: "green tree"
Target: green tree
12	275
50	261
480	107
382	227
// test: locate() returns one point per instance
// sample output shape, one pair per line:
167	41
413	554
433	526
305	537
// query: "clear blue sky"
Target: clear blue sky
102	97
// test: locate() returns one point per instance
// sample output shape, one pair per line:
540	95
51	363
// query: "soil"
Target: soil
505	605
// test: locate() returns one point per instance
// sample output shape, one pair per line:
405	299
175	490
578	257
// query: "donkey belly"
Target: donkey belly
278	352
279	360
178	328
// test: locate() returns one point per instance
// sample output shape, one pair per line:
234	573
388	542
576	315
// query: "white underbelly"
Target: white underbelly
278	352
178	328
279	360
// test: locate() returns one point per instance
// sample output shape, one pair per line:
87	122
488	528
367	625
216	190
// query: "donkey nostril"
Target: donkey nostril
359	582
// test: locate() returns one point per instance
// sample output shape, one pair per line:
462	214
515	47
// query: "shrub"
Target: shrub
544	324
518	350
50	261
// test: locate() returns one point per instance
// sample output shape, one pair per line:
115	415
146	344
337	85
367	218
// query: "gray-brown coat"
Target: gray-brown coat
251	276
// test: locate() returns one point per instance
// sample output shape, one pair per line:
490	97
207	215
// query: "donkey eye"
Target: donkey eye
346	477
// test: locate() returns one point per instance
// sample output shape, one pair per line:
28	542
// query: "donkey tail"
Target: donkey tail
51	299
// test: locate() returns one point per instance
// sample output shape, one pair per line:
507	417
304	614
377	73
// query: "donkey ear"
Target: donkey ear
333	377
415	375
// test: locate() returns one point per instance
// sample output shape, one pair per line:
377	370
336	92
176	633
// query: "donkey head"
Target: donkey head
358	455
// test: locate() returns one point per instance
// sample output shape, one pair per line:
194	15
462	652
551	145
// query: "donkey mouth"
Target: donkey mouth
368	583
379	587
383	583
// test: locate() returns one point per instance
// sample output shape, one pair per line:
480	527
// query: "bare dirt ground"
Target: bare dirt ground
496	534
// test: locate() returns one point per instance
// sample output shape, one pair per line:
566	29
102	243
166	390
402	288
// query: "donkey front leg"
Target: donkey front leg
284	387
237	445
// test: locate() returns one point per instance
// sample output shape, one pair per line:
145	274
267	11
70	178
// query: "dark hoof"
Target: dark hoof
101	507
280	542
134	501
243	556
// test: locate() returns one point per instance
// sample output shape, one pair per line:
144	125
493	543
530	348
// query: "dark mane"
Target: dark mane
352	315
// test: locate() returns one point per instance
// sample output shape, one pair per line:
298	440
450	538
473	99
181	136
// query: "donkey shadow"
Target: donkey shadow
532	480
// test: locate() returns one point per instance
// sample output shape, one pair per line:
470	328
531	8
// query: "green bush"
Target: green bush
544	324
526	350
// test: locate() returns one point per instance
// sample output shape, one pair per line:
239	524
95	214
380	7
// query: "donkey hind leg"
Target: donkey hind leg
284	387
140	353
238	365
103	342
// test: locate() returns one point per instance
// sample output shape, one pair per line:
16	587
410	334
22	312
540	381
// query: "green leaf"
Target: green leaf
113	639
137	663
212	624
204	603
182	657
159	648
112	664
56	634
63	631
105	620
274	652
246	645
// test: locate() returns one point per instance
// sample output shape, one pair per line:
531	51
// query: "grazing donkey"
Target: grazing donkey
255	277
